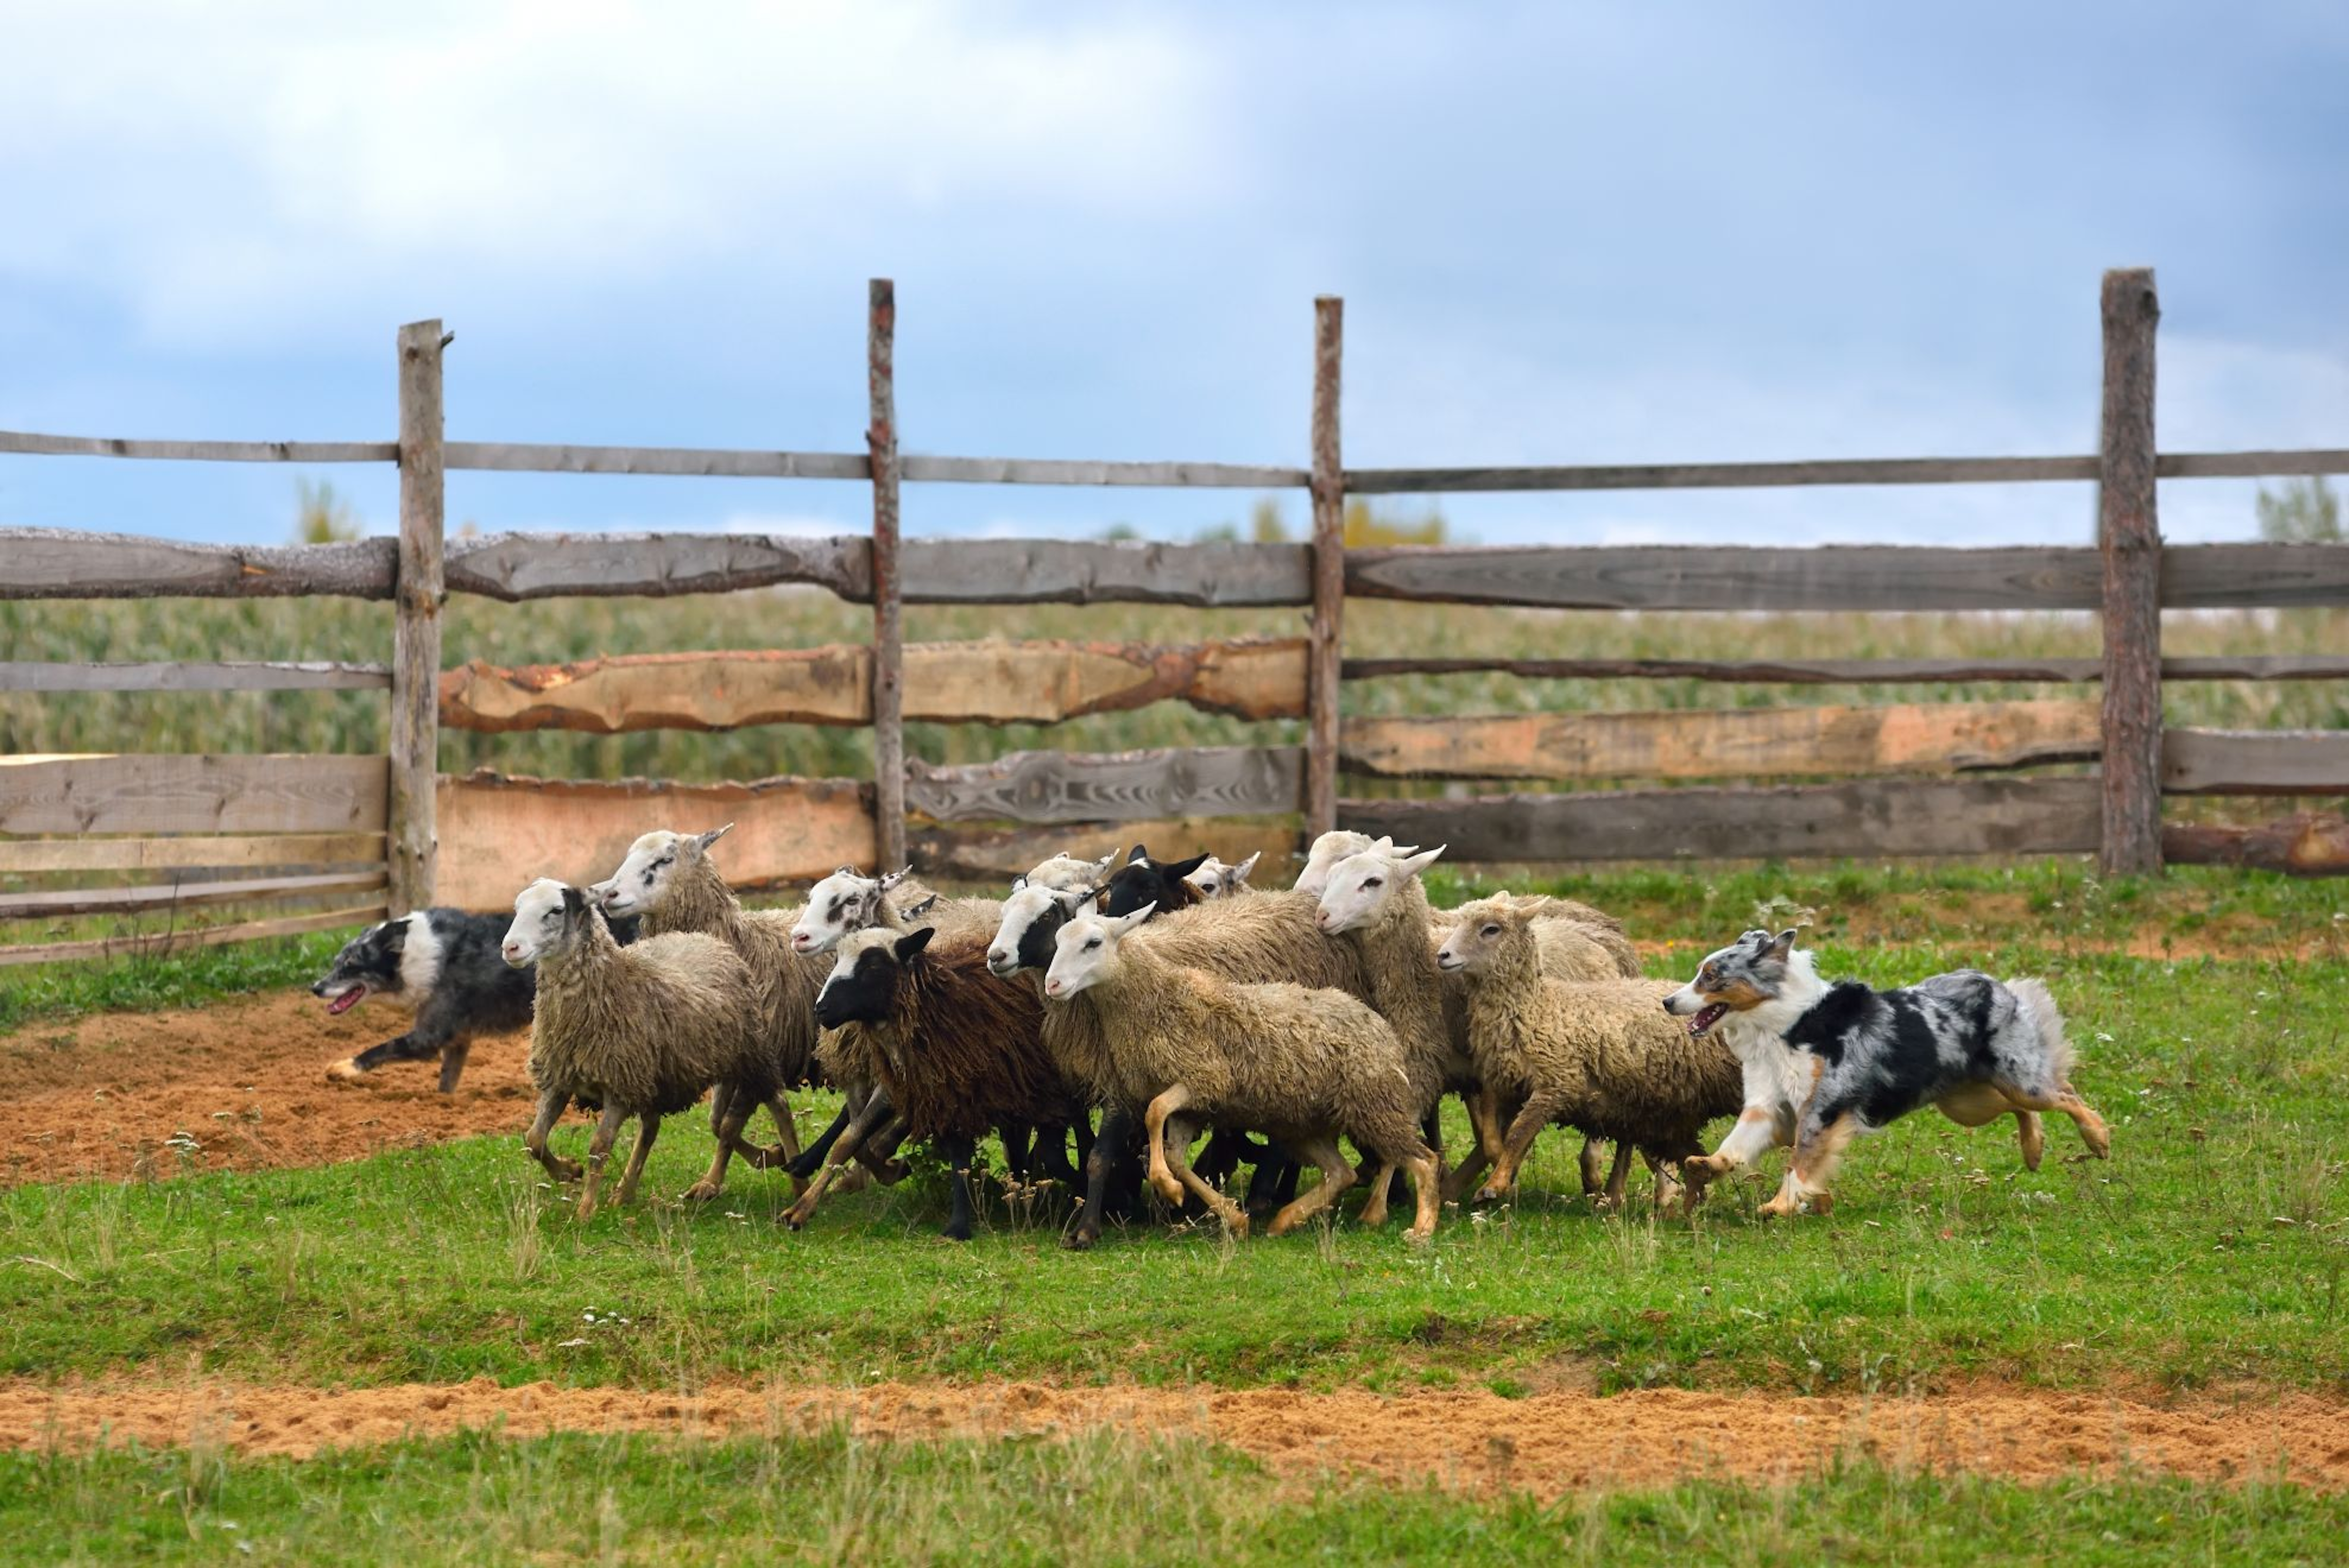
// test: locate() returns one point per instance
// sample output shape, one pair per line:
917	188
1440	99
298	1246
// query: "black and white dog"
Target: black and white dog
444	966
1824	1064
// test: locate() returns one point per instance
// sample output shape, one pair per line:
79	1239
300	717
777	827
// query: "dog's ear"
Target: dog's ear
1782	944
395	934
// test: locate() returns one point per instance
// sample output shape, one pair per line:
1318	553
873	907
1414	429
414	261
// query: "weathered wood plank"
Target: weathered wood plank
62	563
523	457
2255	762
497	833
997	854
519	566
952	683
2251	465
190	895
1898	816
1688	577
1730	743
1722	476
1104	571
1863	672
1063	471
2253	576
79	854
161	942
1112	787
2304	845
226	675
1325	630
191	794
416	620
887	670
202	452
2128	539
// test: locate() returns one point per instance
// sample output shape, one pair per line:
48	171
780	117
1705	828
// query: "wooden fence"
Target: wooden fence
1900	779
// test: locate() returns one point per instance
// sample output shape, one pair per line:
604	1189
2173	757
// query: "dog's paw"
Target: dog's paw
347	1070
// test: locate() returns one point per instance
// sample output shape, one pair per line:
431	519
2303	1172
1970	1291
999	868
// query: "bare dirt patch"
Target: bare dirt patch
245	1080
1547	1444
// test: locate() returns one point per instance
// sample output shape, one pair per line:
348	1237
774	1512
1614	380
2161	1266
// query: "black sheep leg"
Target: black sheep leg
812	1158
1017	1135
1050	1160
959	1148
1112	1177
1272	1185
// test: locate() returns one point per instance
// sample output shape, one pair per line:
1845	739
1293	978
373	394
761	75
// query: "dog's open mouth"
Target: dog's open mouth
1705	1018
347	1000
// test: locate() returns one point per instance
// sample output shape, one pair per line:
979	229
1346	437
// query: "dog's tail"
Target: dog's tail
2037	1006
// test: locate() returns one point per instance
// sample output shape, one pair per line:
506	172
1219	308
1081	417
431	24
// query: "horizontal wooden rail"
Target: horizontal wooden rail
514	567
1862	672
1730	743
983	682
2309	844
1060	471
1899	816
197	794
183	895
520	456
1049	787
498	832
18	856
160	943
2255	762
1839	471
19	441
195	676
59	563
998	854
1097	572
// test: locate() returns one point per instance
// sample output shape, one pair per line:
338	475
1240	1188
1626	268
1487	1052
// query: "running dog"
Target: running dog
1825	1063
443	966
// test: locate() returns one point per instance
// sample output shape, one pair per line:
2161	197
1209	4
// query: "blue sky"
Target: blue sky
1564	235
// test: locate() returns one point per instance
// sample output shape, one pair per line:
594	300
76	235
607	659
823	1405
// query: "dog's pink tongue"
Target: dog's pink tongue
347	1000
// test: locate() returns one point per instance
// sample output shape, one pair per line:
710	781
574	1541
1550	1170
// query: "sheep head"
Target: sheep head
1339	844
1032	916
862	985
843	903
1142	881
1485	930
548	917
653	865
1084	951
1215	878
1362	886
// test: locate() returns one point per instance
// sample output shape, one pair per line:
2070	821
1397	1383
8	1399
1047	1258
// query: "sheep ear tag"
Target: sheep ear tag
914	941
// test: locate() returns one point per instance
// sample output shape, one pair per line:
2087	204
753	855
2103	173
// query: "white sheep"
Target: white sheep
848	902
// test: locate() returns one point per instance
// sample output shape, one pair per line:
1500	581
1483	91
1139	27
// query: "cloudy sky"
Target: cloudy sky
1586	233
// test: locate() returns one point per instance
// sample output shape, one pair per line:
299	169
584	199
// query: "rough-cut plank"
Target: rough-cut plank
1690	577
522	457
497	833
2255	762
2128	539
1863	672
62	563
1325	630
2251	465
226	675
161	942
1112	787
519	566
2304	845
997	854
1730	743
1063	471
2253	576
416	619
129	794
26	855
1103	572
1862	818
888	668
982	682
137	900
1723	476
202	452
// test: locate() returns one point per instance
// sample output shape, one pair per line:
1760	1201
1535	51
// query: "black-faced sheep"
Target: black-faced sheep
1303	1065
1600	1056
644	1030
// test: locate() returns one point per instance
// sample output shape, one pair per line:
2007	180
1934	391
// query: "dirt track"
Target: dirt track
1546	1444
101	1096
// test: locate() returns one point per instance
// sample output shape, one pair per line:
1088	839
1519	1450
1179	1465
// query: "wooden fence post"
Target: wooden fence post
888	621
1323	645
420	592
2128	536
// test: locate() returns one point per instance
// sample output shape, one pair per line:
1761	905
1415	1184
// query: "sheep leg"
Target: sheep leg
1337	1175
1051	1161
730	1137
1178	1157
960	1150
1220	1160
1111	1158
1671	1196
1539	1111
1594	1160
1460	1180
809	1161
1016	1137
550	1111
1618	1179
1274	1181
1427	1187
879	1153
647	1129
599	1150
875	1110
1154	1132
1374	1207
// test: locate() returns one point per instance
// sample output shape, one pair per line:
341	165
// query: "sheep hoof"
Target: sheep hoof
565	1169
1420	1236
347	1070
1488	1193
1776	1209
956	1232
1080	1239
1169	1188
699	1193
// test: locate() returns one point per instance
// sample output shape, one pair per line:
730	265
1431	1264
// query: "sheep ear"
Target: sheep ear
1136	855
894	878
1239	872
1121	925
1412	864
574	904
1107	860
703	841
1182	869
914	941
1019	882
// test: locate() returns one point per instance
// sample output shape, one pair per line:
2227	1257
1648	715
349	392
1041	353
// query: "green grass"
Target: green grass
1097	1499
2211	1248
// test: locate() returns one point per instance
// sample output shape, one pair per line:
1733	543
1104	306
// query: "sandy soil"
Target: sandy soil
245	1079
1546	1444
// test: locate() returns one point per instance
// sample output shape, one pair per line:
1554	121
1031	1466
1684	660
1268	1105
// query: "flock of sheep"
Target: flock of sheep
1173	997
